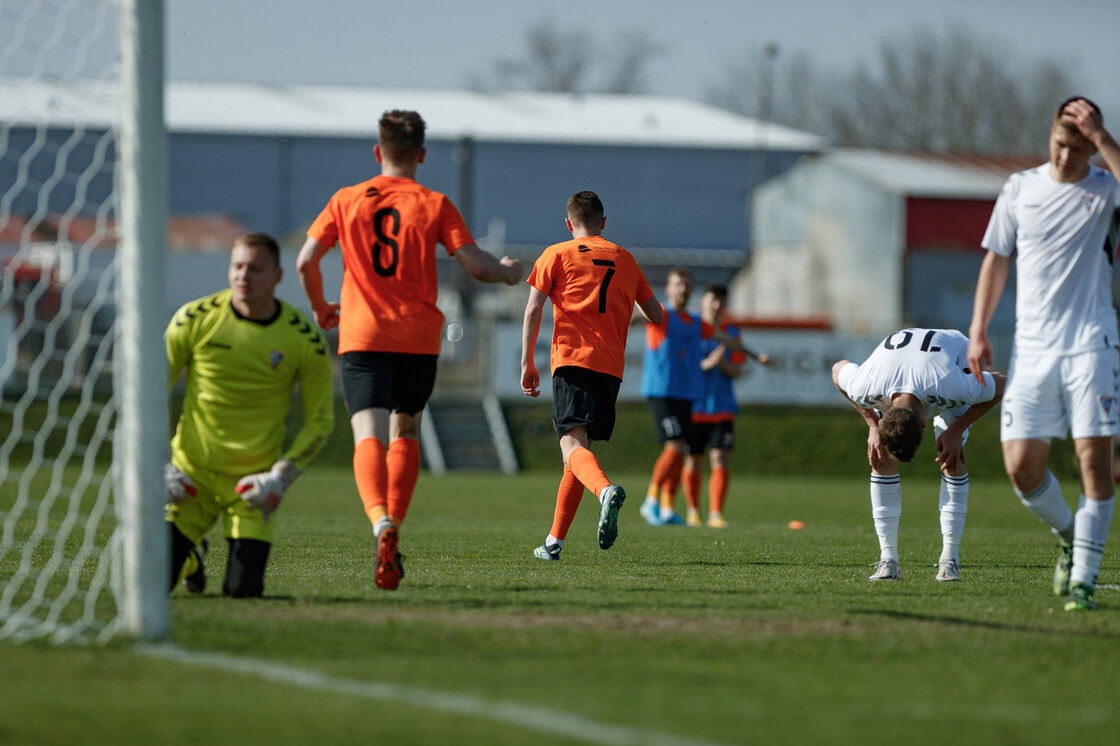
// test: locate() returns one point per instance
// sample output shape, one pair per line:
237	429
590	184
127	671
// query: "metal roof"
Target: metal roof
931	174
337	111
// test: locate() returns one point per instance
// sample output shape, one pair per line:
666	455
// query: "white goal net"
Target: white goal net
74	456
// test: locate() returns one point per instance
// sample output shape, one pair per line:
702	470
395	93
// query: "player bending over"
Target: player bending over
912	375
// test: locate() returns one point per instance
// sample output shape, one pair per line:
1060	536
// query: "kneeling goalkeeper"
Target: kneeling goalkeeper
244	352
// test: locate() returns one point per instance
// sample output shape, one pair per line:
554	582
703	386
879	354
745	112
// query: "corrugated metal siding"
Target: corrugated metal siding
655	197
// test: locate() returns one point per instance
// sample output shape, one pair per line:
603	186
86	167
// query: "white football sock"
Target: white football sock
1090	533
886	510
553	540
953	505
1047	502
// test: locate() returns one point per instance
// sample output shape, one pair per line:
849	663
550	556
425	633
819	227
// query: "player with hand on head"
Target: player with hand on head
915	374
713	415
1060	221
389	324
593	285
672	384
244	352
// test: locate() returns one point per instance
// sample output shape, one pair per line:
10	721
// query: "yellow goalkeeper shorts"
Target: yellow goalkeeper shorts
217	497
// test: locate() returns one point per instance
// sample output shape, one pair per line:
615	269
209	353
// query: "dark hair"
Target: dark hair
718	289
260	241
585	209
680	271
401	133
901	432
1070	100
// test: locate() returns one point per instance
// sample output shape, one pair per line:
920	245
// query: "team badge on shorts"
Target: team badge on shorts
1108	406
275	358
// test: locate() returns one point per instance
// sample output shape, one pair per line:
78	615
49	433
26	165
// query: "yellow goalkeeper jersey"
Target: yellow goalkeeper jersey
240	378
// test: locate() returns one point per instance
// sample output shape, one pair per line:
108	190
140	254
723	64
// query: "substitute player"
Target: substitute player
244	352
593	285
1061	220
714	413
388	322
915	374
672	384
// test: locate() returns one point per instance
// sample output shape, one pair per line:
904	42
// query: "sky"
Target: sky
426	44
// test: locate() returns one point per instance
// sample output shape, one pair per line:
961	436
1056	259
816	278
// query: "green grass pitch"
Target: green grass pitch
753	634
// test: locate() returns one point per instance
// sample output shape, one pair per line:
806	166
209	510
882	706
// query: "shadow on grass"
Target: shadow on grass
981	624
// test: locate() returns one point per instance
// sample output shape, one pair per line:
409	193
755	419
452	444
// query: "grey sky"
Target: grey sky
429	44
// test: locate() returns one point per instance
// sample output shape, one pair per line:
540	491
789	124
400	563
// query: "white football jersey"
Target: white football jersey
931	364
1066	237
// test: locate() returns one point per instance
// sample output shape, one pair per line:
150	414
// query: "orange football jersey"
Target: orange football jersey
388	228
593	285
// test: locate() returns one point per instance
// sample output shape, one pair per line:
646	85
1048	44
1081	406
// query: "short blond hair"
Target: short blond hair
257	240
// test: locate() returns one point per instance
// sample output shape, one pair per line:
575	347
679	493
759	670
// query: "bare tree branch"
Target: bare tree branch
633	51
926	91
564	60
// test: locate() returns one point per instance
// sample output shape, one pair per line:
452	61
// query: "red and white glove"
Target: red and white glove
179	486
264	491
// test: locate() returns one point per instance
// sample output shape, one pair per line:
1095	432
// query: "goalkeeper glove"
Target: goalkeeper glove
264	491
179	486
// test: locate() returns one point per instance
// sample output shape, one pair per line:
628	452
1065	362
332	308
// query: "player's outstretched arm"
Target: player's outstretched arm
311	278
530	329
734	344
484	267
989	287
652	310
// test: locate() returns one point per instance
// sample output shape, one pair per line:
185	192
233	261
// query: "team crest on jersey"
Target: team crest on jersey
275	358
1087	202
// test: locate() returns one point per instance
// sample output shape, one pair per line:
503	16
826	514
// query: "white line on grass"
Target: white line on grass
552	722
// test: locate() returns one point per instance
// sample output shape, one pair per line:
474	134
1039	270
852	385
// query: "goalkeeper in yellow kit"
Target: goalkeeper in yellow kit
244	352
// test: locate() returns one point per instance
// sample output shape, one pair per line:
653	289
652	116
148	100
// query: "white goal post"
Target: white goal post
83	413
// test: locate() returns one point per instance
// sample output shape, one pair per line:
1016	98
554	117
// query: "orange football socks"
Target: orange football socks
667	462
690	478
717	489
567	501
372	477
672	478
404	468
588	470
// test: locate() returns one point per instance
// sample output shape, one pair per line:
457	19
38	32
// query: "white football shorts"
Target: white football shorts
942	421
1052	396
